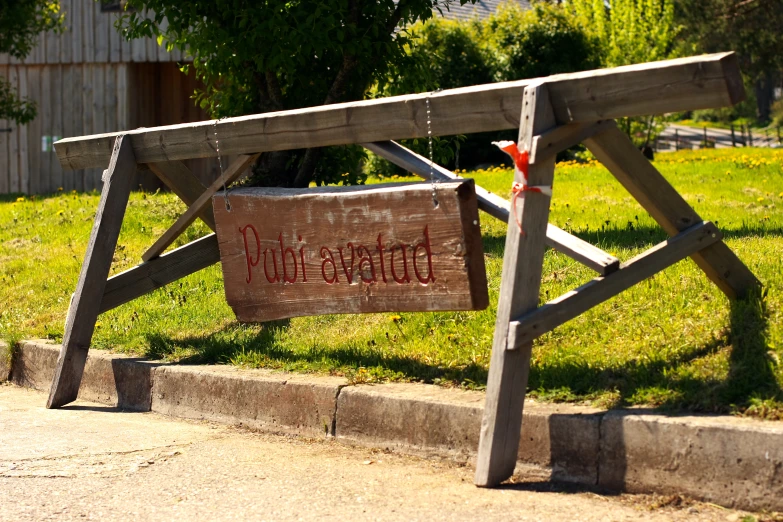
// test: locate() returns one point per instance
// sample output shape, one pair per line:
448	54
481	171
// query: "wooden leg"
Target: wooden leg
86	301
519	289
618	154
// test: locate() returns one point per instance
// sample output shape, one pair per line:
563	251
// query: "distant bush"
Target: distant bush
511	44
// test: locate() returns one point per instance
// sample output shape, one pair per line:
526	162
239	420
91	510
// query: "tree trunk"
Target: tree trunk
765	93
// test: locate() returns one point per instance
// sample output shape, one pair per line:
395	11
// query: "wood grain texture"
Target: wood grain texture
86	300
618	154
13	137
683	84
519	294
24	164
204	201
556	312
500	208
146	277
562	137
101	27
182	182
364	249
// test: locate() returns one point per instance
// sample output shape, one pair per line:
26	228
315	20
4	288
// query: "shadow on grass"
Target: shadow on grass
751	376
264	349
632	236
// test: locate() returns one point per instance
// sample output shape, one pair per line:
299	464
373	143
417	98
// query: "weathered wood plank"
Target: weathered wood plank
237	168
86	300
13	137
75	20
24	164
101	27
618	154
34	130
46	121
519	293
556	312
182	182
668	86
169	267
326	250
562	137
87	115
568	244
5	156
67	119
115	47
88	36
56	93
139	50
66	39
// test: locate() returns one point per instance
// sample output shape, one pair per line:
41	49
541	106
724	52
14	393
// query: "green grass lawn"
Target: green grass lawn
673	341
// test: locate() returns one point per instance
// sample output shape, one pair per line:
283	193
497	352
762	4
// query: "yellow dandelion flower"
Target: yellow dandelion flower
59	212
20	199
395	318
760	200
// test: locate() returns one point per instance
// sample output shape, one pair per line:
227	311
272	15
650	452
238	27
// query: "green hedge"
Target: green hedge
511	44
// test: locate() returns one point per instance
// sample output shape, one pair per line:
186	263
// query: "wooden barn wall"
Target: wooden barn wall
162	96
72	100
90	36
82	99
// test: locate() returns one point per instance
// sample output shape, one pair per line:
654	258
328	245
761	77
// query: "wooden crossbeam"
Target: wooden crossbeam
204	201
181	181
618	154
699	82
519	289
86	300
563	137
500	208
556	312
158	272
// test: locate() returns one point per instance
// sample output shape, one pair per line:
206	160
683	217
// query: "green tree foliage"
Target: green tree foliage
629	32
752	28
538	42
512	44
20	23
268	55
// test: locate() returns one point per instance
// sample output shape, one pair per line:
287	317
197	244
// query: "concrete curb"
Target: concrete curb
5	361
730	461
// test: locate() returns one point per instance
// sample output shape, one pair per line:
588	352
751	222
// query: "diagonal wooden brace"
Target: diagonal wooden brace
181	181
618	154
500	208
86	300
526	328
204	201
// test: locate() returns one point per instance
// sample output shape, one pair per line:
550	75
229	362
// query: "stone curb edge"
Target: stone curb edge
730	461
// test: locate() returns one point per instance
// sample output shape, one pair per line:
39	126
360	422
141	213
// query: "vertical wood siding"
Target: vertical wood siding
89	80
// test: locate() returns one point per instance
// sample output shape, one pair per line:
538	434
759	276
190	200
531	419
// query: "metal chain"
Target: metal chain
433	180
220	164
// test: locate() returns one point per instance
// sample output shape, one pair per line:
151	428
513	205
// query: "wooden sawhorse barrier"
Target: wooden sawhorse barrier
551	113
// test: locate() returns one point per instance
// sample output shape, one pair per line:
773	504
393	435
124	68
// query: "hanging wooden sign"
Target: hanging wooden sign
326	250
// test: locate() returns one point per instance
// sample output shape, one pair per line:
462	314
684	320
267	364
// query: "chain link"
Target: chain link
220	164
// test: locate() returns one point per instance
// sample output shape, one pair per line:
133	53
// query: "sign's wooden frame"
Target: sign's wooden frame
551	113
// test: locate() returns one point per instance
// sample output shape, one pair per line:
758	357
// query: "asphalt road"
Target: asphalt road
90	462
721	137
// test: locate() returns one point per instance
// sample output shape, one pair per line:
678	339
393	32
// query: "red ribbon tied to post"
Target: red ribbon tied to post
521	165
